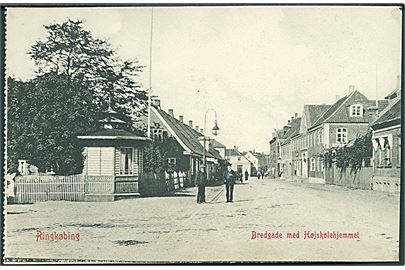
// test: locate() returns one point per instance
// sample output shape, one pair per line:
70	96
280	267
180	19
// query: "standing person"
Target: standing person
246	175
201	181
229	184
258	174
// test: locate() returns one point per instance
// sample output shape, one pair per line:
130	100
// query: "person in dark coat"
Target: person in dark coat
201	182
230	176
246	175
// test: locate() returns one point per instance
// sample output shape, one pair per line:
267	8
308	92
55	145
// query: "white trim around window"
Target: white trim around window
341	135
356	110
126	160
312	165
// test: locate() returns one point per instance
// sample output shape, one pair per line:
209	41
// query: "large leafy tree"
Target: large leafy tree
73	51
44	116
78	76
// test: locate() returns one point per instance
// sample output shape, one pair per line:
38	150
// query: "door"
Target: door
304	162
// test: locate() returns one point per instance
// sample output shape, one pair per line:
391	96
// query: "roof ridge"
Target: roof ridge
334	112
191	135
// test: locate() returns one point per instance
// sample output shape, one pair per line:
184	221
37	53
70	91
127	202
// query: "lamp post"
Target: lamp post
215	131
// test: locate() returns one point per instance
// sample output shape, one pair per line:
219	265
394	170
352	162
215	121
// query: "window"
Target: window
322	164
157	134
312	164
356	110
316	164
387	156
171	160
341	135
311	139
126	160
320	137
379	154
387	153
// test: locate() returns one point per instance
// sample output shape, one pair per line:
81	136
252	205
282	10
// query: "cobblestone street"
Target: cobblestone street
175	228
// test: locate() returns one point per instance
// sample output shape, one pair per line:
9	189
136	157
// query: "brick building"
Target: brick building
387	146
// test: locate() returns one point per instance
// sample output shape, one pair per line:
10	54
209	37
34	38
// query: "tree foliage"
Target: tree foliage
44	116
77	77
353	156
152	158
72	51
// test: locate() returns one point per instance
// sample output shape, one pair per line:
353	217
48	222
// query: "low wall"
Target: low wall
386	184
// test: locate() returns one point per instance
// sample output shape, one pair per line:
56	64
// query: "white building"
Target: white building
238	161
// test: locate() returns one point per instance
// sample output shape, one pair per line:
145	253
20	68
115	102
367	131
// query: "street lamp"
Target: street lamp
215	132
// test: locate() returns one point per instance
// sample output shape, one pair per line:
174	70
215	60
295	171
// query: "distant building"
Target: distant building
387	146
347	119
274	156
183	144
299	140
288	167
299	147
254	161
238	161
219	147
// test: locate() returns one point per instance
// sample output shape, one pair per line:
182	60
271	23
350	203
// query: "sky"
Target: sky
255	66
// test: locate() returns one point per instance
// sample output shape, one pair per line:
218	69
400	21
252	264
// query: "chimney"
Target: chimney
351	88
372	113
190	123
156	103
398	81
234	147
292	118
296	115
171	112
288	122
201	131
181	118
197	128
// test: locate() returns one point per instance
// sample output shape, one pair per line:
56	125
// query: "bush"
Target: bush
152	184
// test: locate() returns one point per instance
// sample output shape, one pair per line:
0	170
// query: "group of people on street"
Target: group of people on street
201	180
260	174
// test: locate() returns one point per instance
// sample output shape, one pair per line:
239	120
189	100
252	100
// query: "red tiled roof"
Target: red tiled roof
294	130
187	135
391	117
316	111
329	112
338	112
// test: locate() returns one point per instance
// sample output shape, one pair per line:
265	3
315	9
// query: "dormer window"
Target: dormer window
356	110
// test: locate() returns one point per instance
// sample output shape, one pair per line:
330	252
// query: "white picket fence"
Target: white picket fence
37	188
175	179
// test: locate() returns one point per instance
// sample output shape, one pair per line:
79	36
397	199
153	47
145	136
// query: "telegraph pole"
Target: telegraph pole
150	72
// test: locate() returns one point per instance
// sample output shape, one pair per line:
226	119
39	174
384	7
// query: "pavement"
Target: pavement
177	229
